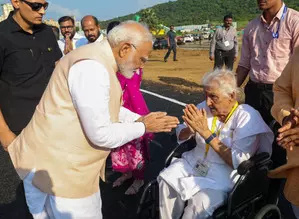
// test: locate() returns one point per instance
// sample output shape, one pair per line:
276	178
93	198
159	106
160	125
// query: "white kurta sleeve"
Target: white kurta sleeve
178	130
126	115
89	85
251	134
243	149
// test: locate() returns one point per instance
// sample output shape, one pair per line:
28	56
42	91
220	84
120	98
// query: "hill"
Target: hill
185	12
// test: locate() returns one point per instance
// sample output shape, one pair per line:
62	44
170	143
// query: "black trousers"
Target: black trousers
12	196
171	48
260	97
224	58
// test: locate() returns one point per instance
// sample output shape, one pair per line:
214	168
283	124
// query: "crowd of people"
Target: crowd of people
67	104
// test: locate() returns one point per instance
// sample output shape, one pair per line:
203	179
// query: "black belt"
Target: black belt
260	86
227	51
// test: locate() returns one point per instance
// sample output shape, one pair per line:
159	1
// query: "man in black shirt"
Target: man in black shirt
28	52
171	39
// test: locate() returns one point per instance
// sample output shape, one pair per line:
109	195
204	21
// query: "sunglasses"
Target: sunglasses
36	6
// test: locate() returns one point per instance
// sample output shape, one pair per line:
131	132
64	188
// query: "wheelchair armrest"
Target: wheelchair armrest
179	149
171	155
255	161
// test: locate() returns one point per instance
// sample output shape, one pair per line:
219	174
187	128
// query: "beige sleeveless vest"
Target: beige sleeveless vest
67	164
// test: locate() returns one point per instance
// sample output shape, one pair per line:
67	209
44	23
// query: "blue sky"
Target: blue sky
103	9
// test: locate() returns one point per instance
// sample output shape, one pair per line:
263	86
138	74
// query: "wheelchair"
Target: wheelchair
250	198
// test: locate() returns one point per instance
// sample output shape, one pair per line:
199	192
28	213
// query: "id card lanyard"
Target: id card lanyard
225	35
276	34
219	130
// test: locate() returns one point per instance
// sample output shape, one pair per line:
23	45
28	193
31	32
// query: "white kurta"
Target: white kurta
245	134
89	87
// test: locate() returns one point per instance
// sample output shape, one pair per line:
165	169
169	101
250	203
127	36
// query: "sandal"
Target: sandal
122	179
135	187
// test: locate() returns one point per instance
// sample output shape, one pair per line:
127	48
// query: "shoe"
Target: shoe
165	60
175	60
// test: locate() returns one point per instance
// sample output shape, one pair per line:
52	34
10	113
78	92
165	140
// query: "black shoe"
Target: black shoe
165	60
175	60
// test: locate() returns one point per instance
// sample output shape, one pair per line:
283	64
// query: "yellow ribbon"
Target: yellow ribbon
218	131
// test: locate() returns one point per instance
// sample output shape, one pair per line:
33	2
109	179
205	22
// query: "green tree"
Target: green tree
187	12
149	17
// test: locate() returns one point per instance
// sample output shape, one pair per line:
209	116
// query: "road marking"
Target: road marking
164	98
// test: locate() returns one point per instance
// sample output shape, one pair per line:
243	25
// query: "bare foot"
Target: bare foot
134	188
122	179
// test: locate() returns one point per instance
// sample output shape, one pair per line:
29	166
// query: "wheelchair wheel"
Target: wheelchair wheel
268	212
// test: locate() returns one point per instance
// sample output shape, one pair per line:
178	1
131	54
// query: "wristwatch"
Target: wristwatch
210	138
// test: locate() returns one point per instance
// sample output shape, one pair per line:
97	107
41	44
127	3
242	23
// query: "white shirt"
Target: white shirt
83	41
76	38
89	85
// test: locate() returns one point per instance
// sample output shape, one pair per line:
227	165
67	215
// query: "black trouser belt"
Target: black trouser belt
260	86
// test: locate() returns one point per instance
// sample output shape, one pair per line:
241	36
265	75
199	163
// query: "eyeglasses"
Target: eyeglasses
36	6
142	59
66	27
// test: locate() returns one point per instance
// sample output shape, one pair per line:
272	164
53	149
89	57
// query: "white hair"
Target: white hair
121	33
226	81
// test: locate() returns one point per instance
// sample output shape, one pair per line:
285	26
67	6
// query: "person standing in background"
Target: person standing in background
171	39
92	30
224	45
268	43
70	38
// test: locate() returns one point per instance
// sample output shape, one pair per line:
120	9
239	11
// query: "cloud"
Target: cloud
62	11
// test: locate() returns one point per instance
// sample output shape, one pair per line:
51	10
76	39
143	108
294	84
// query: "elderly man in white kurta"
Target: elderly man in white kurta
226	133
61	154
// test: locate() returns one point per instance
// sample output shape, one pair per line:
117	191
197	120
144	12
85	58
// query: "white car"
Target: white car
206	35
188	38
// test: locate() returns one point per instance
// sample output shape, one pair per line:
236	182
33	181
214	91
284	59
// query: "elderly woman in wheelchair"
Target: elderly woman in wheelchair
226	133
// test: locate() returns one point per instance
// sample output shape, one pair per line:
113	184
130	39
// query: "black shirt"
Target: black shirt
26	64
171	35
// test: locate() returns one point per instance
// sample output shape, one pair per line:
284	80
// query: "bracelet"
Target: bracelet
210	138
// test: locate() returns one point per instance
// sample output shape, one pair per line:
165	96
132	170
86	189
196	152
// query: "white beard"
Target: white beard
126	69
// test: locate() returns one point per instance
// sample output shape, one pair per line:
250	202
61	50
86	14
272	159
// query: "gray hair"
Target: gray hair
122	33
226	81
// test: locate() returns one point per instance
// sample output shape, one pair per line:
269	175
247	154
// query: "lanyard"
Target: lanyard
225	35
219	130
276	35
